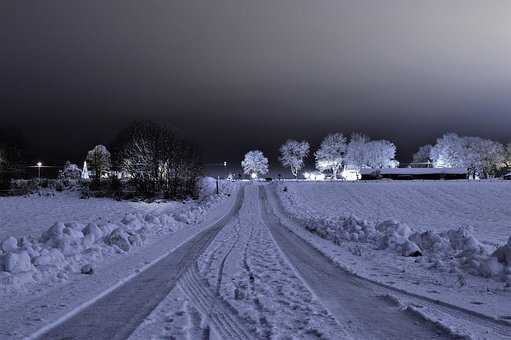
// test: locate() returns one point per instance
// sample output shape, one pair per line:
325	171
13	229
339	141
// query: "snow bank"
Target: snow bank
73	247
452	249
69	247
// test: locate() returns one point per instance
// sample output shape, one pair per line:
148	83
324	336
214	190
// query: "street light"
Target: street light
253	175
39	165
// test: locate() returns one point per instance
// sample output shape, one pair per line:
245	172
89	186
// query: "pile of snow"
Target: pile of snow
74	247
69	247
451	249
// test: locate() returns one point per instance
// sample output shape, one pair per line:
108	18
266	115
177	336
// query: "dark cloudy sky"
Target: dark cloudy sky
234	75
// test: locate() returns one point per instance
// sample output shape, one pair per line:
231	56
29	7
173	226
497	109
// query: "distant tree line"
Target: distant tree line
483	158
335	154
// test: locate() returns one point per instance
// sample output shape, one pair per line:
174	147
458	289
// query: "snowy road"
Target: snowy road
249	276
350	300
117	314
373	310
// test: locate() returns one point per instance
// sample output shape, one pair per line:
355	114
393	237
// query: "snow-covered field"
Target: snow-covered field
31	215
264	263
425	205
255	280
454	268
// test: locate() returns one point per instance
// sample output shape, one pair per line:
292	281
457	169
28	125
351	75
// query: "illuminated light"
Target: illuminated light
317	176
85	172
39	164
306	175
253	175
350	175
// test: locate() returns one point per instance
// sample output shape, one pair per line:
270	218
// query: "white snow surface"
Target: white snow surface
453	260
80	240
244	272
246	268
439	206
31	215
55	284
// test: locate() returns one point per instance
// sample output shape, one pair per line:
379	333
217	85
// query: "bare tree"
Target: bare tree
156	161
292	155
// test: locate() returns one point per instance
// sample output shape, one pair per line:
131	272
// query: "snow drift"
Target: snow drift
451	250
73	247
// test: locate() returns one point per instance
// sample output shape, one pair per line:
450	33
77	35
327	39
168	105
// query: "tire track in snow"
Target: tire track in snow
352	301
222	264
251	279
219	314
419	305
118	313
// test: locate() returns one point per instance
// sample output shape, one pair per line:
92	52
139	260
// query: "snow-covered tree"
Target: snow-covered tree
331	154
292	155
423	154
507	157
255	163
481	157
450	151
71	171
364	153
380	154
356	154
99	160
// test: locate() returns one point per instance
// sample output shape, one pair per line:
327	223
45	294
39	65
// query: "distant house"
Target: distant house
507	176
414	173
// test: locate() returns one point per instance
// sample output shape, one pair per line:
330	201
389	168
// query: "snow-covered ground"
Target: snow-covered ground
259	264
31	215
242	277
246	268
47	275
251	282
446	272
425	205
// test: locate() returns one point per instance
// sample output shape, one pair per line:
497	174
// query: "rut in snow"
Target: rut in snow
352	302
218	314
457	316
117	314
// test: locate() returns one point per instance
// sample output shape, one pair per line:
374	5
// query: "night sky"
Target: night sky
236	75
